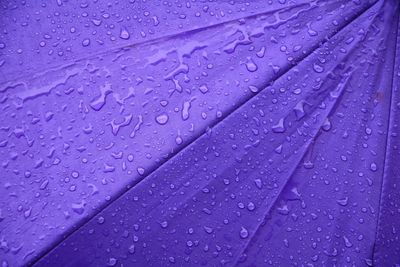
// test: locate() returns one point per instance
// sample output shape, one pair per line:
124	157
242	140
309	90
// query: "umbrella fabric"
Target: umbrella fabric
191	133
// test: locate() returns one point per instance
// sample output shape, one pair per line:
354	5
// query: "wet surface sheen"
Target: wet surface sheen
157	133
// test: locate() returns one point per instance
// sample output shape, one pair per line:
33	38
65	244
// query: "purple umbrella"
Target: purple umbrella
157	133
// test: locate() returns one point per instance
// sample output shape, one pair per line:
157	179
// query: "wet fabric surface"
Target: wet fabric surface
157	133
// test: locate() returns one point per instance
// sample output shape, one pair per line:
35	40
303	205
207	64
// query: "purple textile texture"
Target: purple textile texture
200	133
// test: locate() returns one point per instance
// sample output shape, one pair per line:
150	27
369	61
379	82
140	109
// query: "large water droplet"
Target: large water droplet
124	34
279	127
162	119
250	65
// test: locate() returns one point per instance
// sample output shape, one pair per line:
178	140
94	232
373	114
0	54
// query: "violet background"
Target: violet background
157	133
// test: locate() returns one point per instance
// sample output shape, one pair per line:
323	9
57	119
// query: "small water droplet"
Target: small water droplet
112	262
251	206
253	88
318	68
258	183
100	220
343	201
86	42
131	249
140	171
203	88
244	233
164	224
373	167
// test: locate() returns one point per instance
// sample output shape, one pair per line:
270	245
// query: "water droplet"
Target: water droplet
96	22
347	242
253	88
279	127
373	167
261	52
278	150
203	88
244	233
86	42
140	171
124	34
250	65
343	201
208	230
100	220
131	249
308	165
79	208
162	119
326	126
318	68
258	183
185	109
112	262
251	206
164	224
178	139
